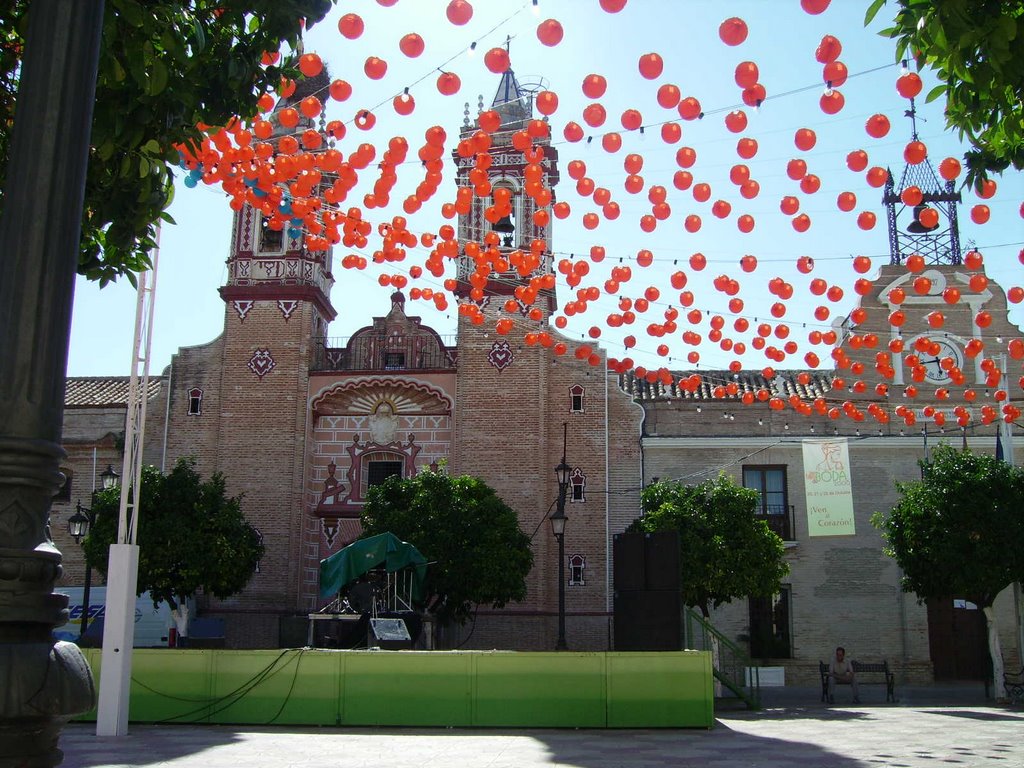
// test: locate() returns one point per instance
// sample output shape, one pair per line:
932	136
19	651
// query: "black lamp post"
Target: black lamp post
558	519
79	525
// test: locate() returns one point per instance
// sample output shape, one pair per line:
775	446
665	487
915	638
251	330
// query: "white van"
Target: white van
152	625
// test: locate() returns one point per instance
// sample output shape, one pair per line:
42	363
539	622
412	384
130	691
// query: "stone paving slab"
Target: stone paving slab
825	737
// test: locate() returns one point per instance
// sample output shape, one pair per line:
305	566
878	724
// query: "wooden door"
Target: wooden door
958	640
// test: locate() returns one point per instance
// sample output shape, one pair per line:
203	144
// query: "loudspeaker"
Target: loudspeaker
661	560
646	561
648	620
628	561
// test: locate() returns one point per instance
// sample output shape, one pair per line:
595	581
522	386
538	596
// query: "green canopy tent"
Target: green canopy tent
348	564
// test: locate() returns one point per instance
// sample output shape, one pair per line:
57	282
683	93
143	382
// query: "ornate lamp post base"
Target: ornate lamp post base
42	682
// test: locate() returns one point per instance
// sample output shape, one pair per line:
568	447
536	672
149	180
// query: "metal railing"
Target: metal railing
367	352
780	518
733	668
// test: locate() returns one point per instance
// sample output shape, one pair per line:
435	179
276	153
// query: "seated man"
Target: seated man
841	671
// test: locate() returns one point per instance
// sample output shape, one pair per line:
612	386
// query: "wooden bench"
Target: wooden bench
860	670
1014	682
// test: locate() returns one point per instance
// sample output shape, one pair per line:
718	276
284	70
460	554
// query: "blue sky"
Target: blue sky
782	40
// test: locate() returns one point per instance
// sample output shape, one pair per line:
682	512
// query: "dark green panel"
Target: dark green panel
407	688
558	690
660	690
294	687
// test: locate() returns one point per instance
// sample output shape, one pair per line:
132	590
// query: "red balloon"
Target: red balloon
612	142
909	85
736	121
594	115
949	168
671	132
746	148
594	86
733	31
375	67
459	12
789	205
980	214
651	66
411	45
832	102
404	104
857	160
631	119
547	102
668	96
877	126
915	152
351	25
805	139
796	169
572	132
814	7
866	220
550	32
746	74
497	60
835	73
846	201
689	108
828	49
448	83
612	6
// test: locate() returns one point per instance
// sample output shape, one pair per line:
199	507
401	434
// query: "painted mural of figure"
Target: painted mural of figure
332	486
383	424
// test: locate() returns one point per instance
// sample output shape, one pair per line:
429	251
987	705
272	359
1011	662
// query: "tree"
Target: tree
472	539
165	67
953	533
191	536
976	49
726	551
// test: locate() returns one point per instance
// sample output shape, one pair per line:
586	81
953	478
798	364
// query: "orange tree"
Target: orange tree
952	533
976	50
165	67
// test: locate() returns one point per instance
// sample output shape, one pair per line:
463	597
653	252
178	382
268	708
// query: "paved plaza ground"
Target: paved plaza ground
927	727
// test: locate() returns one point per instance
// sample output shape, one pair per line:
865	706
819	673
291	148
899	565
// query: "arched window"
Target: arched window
577	485
195	402
577	568
576	395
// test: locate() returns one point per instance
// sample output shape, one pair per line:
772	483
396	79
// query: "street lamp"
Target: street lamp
558	520
79	525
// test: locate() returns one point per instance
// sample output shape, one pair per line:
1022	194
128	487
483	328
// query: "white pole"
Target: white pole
123	563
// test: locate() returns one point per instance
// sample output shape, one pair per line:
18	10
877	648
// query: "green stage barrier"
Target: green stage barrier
420	688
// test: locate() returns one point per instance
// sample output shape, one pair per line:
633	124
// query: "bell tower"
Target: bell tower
507	170
522	386
933	230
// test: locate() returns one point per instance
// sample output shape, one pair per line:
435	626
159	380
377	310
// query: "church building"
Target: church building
303	426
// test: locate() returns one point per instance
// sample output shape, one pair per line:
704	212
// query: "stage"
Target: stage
306	686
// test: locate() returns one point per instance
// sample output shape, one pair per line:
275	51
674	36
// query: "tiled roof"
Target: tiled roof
785	383
97	391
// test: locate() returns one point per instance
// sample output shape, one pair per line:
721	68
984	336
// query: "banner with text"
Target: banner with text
828	489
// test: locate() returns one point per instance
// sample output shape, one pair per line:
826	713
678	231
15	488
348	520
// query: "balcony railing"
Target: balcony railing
780	518
385	353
